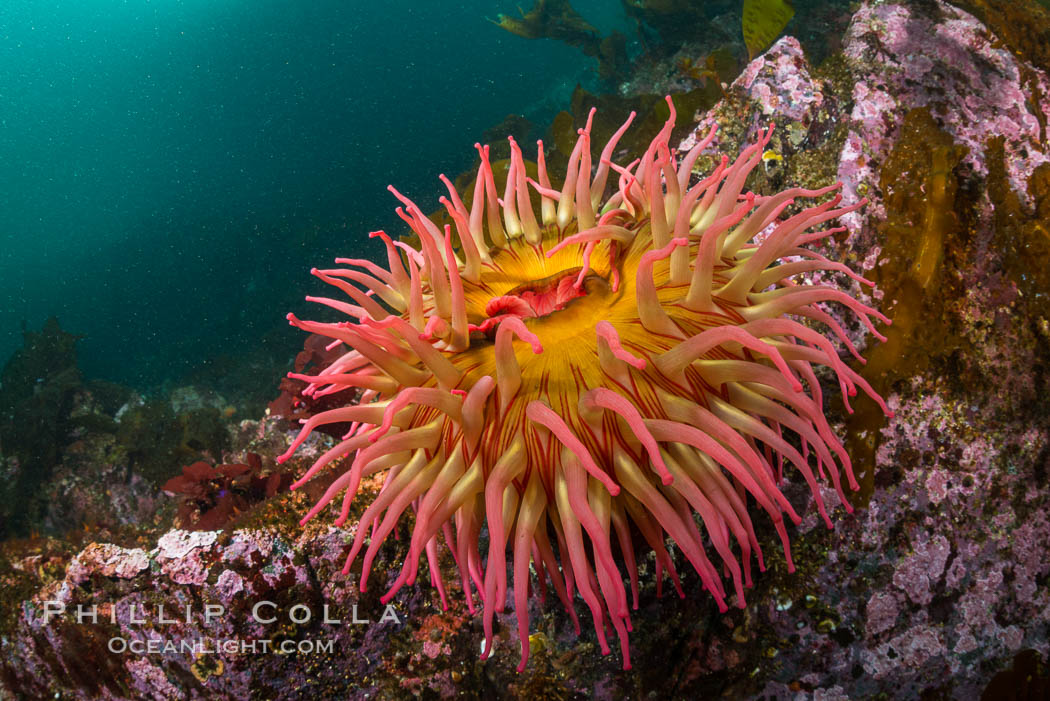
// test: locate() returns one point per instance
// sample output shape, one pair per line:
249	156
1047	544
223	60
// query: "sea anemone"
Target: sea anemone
582	369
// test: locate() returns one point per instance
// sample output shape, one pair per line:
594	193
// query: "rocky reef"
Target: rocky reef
935	587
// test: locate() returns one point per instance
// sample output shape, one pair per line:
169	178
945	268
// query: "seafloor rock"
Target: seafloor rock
933	585
252	613
904	57
939	580
92	486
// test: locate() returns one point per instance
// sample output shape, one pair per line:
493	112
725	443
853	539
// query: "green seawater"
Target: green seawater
171	170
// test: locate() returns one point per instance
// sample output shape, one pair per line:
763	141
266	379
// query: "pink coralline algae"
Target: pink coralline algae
952	553
882	611
108	560
778	85
918	573
183	555
905	57
125	587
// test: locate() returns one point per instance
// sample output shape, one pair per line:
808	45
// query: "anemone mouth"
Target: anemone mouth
540	298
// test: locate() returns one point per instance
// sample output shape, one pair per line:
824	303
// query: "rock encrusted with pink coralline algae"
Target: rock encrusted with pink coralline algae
909	55
941	578
904	56
928	589
778	86
259	613
806	106
943	575
107	560
192	600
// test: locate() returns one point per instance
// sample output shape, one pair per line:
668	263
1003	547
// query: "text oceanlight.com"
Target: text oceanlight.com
206	646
